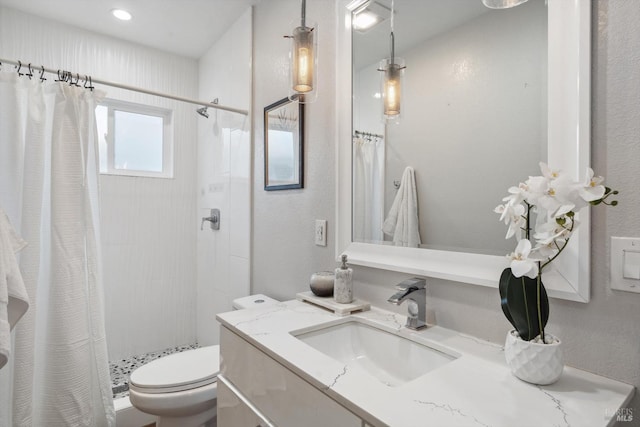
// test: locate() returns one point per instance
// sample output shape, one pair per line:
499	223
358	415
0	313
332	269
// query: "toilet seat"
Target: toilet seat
178	372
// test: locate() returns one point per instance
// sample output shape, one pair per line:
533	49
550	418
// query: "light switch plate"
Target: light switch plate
624	260
631	265
321	232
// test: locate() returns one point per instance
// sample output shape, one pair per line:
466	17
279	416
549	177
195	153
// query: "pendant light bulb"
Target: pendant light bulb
392	92
304	61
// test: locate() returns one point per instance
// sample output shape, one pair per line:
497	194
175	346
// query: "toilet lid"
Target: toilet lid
180	371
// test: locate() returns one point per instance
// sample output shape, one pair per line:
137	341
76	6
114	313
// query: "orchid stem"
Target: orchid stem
566	242
539	306
528	226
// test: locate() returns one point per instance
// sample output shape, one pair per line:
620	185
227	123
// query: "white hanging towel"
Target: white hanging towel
14	300
402	221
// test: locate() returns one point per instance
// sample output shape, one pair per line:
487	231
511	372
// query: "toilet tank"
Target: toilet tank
251	301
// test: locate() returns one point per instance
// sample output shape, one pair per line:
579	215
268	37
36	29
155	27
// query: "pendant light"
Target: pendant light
304	61
502	4
392	69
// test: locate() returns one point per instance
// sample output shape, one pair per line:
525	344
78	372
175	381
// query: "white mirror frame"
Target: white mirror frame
569	27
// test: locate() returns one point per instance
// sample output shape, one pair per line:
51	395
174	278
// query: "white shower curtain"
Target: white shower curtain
58	373
368	189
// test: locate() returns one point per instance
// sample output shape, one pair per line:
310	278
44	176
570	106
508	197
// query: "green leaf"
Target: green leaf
502	288
518	297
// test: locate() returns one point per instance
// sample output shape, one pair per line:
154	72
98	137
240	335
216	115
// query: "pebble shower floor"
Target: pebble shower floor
121	369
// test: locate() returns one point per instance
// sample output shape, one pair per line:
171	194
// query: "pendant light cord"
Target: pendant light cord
392	13
393	47
303	15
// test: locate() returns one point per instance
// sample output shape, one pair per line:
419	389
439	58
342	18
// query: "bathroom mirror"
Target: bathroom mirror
283	145
463	105
536	109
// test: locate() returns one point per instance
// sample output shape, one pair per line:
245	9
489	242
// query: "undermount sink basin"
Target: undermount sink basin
392	359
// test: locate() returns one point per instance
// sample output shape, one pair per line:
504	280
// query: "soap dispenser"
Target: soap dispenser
343	285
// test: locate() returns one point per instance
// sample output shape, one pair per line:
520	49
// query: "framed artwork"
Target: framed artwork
283	145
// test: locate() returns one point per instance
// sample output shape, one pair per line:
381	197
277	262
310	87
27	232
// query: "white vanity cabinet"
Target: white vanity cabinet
255	390
236	411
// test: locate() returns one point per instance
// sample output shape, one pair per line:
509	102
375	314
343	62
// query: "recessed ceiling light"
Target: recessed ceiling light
121	14
368	15
365	20
502	4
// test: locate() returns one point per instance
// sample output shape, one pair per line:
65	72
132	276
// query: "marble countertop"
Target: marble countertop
476	389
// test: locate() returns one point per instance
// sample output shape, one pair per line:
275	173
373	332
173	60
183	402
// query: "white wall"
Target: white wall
284	254
224	172
602	336
148	225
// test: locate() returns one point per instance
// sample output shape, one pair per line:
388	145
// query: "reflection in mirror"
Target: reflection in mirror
474	121
283	142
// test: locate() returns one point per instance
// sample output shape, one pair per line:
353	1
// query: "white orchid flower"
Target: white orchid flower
508	212
551	201
549	173
514	216
515	228
563	210
537	186
551	232
591	188
521	264
546	251
517	194
557	195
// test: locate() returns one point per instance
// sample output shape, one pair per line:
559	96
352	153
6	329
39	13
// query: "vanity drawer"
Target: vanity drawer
234	409
276	393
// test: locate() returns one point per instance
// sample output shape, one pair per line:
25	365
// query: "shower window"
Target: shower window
134	139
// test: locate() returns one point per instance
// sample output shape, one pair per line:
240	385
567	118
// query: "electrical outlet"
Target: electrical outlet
321	232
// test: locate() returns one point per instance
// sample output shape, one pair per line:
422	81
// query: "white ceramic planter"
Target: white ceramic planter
532	362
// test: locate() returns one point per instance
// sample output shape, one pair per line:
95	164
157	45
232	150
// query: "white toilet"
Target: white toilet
181	389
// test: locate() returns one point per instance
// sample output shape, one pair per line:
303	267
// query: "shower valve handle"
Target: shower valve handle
214	219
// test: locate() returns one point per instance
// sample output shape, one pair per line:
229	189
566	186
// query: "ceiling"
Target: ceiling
415	21
190	27
184	27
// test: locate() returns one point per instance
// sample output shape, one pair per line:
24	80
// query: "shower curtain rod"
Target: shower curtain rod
373	135
127	87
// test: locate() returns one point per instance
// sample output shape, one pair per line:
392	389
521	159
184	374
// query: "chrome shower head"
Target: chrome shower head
203	112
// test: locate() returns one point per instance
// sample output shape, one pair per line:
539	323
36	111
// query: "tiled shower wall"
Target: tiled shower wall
224	166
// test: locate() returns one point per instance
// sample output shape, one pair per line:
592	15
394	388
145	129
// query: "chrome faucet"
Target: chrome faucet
414	291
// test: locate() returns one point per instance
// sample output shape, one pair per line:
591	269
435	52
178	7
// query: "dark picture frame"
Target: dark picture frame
284	145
